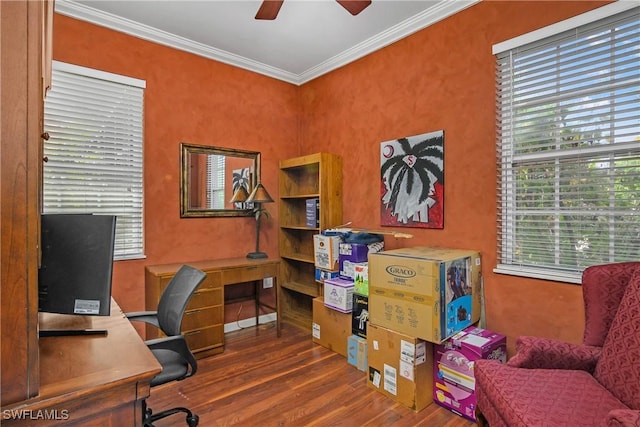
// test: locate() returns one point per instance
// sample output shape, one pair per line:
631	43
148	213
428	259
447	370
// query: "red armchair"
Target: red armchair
552	383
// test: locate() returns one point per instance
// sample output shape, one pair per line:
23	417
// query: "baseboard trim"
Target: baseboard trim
247	323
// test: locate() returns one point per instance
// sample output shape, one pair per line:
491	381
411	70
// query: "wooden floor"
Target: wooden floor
262	380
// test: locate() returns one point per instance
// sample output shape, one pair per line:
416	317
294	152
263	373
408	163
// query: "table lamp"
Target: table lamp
240	196
258	196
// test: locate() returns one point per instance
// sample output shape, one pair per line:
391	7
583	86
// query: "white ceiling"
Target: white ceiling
307	39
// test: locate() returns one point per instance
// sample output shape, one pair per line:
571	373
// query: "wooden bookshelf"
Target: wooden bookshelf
315	176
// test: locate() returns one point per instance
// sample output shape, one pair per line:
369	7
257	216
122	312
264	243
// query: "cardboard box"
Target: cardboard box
355	253
325	251
357	352
330	328
312	213
322	275
338	294
400	367
360	315
453	377
361	279
428	293
348	269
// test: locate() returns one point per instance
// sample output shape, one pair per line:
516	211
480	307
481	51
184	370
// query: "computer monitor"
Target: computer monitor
77	264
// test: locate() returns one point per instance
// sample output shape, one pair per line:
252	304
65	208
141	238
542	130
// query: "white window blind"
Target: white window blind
95	123
215	181
568	110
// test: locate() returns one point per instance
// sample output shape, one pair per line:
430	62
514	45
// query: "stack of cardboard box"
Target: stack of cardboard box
411	312
340	315
423	296
417	297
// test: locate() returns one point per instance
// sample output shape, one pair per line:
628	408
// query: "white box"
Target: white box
348	269
338	294
326	251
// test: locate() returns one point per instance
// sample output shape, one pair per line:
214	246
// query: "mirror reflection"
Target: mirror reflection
211	175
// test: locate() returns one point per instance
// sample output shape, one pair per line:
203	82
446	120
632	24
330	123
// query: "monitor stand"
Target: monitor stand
70	332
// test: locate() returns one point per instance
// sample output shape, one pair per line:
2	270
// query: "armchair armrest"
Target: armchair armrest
150	317
177	344
623	418
545	353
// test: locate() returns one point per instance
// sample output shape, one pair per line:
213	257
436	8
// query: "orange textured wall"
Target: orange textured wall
438	78
442	78
192	99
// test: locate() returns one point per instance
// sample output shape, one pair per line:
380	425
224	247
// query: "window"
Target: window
215	181
94	120
568	99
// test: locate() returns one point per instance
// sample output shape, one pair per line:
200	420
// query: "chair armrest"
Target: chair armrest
177	344
623	418
150	317
545	353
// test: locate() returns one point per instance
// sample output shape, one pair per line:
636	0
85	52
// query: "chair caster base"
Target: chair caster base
192	421
149	417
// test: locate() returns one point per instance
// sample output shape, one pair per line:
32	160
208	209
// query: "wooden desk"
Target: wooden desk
88	380
203	323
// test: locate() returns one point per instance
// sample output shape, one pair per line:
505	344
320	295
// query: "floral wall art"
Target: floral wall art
412	181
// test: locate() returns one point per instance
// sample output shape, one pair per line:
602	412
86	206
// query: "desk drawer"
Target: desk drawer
206	298
205	337
212	281
201	317
248	274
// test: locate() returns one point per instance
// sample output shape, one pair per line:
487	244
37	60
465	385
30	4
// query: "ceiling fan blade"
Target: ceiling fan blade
269	9
354	6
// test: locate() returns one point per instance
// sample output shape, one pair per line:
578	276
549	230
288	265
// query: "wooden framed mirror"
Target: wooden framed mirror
209	177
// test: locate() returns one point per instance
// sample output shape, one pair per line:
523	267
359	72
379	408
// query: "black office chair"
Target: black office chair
172	351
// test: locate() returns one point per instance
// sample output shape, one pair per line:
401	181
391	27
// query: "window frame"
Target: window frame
507	193
216	164
67	127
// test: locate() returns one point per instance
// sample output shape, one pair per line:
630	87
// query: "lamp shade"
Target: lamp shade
259	195
240	195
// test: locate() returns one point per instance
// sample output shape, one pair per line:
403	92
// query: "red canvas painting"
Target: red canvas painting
412	181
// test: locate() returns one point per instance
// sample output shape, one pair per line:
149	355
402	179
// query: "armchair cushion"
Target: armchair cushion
619	366
516	395
545	353
603	287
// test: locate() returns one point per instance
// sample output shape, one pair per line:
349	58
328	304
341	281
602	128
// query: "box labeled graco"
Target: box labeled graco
428	293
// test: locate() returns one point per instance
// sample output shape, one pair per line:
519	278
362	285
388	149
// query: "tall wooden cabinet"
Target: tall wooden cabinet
24	37
315	176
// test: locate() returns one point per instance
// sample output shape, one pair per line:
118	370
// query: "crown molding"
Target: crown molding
145	32
405	28
428	17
